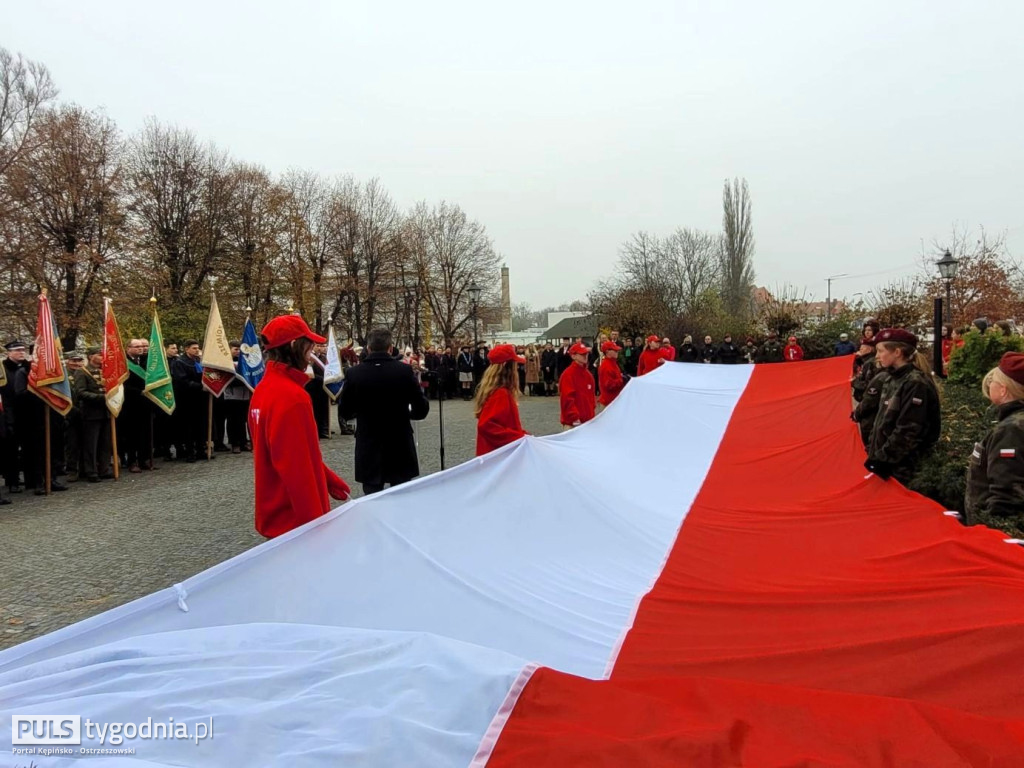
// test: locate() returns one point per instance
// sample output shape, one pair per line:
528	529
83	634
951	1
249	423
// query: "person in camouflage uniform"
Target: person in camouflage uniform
771	350
908	421
867	409
995	477
865	367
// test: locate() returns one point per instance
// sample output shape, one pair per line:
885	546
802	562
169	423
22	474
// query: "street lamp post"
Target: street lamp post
474	296
947	271
828	304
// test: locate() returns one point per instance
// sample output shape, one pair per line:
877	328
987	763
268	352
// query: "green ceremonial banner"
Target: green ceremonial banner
158	374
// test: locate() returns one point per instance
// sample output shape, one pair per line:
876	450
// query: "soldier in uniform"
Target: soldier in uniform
771	350
908	420
867	409
865	367
91	401
995	478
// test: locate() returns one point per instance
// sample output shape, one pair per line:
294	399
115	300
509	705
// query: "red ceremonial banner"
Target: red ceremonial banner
47	378
214	381
115	363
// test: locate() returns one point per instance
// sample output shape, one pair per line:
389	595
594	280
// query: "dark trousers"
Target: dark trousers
237	417
33	445
11	466
135	431
369	488
73	444
220	415
96	447
321	406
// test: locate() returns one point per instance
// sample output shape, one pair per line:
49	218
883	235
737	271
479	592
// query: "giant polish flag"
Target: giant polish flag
704	575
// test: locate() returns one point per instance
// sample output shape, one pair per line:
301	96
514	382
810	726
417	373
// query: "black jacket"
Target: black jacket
728	353
687	353
187	381
384	397
7	391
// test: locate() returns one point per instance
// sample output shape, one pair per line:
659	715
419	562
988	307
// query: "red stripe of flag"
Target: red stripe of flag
806	616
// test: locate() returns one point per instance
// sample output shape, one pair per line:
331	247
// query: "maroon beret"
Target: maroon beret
1012	364
898	335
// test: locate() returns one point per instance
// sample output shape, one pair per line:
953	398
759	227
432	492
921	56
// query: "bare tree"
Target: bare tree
691	267
25	89
306	237
458	253
737	248
68	183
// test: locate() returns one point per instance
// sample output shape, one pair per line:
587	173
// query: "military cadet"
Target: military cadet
576	389
865	368
771	350
867	407
995	478
91	401
908	420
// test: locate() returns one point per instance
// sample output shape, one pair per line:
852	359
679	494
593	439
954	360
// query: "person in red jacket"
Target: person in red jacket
576	389
651	357
610	377
793	351
497	413
292	482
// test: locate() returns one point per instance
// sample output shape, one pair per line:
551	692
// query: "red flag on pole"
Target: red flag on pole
47	378
115	362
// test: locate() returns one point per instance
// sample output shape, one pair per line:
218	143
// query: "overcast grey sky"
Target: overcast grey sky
862	128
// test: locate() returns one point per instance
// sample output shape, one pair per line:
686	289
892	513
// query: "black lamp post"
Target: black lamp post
947	270
474	296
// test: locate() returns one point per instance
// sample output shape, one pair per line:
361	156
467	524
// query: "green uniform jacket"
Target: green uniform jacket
90	398
867	409
771	352
908	421
995	477
868	369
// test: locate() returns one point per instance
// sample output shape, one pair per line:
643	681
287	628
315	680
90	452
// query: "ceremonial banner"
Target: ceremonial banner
772	604
218	365
47	378
250	362
334	378
115	362
158	374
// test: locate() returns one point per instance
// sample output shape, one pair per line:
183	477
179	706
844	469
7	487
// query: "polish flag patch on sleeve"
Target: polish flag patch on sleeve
1007	453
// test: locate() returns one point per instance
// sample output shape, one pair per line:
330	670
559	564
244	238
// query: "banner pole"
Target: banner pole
209	427
113	446
46	449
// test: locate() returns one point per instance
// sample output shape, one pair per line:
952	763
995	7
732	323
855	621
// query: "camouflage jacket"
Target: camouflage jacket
908	421
771	352
995	477
867	409
866	372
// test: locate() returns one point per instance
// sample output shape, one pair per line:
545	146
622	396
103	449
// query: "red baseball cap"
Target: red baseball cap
610	346
652	337
287	328
579	349
503	353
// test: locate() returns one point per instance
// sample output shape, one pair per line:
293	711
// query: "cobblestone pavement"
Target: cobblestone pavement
93	547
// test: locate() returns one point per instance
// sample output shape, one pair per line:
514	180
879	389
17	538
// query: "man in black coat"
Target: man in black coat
135	422
12	463
190	402
384	397
728	353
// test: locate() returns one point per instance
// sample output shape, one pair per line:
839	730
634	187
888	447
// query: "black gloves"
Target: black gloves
881	468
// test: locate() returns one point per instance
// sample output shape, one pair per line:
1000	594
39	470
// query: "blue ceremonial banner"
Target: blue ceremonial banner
250	361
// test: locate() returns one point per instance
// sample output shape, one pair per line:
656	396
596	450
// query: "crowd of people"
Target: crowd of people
894	390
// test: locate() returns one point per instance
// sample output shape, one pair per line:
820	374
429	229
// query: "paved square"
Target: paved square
94	547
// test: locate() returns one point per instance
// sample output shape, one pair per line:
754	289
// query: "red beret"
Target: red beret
1012	364
579	349
287	328
503	353
610	346
899	335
